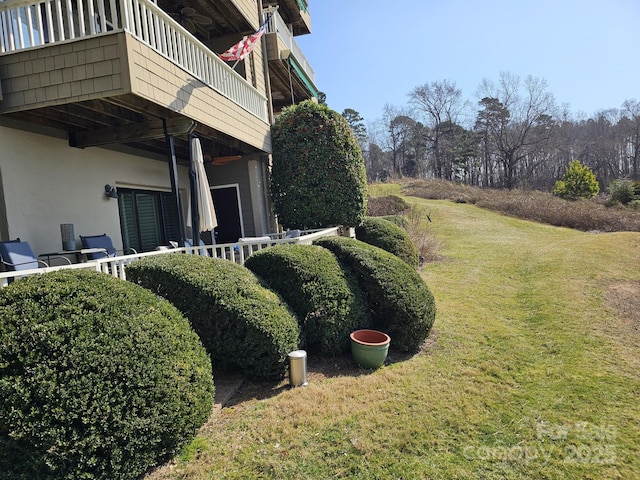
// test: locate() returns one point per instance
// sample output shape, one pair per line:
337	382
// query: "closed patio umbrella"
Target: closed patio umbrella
203	213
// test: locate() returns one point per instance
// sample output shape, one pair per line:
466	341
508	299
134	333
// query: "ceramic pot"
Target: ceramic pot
369	348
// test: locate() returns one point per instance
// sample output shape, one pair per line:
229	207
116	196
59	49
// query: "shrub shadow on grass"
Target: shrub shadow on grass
320	368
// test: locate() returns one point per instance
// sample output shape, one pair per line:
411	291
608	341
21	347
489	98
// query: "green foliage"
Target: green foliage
242	324
390	237
356	122
402	304
99	378
624	191
326	298
318	177
578	181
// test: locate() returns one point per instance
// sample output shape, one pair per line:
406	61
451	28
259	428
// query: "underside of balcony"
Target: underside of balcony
295	13
288	84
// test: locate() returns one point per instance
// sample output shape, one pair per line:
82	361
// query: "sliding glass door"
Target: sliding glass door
147	218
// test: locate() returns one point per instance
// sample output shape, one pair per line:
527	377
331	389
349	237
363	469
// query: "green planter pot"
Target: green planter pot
369	348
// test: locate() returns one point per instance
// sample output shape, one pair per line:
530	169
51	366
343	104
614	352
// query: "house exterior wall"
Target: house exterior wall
45	183
249	10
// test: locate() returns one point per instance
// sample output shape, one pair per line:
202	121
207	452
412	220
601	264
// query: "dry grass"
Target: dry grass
419	229
584	215
417	217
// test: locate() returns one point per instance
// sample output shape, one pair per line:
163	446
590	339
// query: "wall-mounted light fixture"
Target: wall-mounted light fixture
110	191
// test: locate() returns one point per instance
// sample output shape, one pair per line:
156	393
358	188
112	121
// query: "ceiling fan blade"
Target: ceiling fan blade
201	20
189	25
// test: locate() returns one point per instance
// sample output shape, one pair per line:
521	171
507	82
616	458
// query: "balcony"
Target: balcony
94	65
295	14
291	76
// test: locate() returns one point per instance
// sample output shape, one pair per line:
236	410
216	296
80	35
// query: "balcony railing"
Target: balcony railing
278	25
236	252
28	24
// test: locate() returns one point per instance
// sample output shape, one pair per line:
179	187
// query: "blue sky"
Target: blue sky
368	53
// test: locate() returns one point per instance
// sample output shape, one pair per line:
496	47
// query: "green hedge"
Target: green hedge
99	378
318	176
390	237
402	304
242	324
326	298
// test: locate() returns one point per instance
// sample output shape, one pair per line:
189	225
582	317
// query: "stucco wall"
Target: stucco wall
45	183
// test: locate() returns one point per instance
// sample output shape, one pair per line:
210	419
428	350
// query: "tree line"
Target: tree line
513	136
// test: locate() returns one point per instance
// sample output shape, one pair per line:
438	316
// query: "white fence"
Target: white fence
28	24
236	252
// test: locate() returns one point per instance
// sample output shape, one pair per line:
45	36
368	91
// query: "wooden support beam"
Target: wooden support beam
135	132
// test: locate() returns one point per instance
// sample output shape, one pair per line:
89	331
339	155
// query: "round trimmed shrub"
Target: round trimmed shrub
242	324
99	378
326	297
318	177
401	302
388	236
386	205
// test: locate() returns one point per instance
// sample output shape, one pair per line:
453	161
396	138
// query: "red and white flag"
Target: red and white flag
244	46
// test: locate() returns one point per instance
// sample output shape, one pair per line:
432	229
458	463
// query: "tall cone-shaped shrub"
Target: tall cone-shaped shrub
318	177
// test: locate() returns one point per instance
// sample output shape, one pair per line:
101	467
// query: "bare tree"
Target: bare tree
631	111
516	115
400	126
439	104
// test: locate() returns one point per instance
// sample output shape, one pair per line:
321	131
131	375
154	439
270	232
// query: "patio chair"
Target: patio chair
103	242
17	255
292	234
203	251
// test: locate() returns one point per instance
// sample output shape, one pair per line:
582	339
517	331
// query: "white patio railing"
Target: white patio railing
28	24
237	252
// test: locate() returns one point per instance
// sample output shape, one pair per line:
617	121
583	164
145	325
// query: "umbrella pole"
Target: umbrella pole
173	173
193	185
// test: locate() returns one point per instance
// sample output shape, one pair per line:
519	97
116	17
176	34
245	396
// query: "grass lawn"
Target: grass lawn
532	371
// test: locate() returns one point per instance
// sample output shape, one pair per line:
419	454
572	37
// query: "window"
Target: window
147	218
